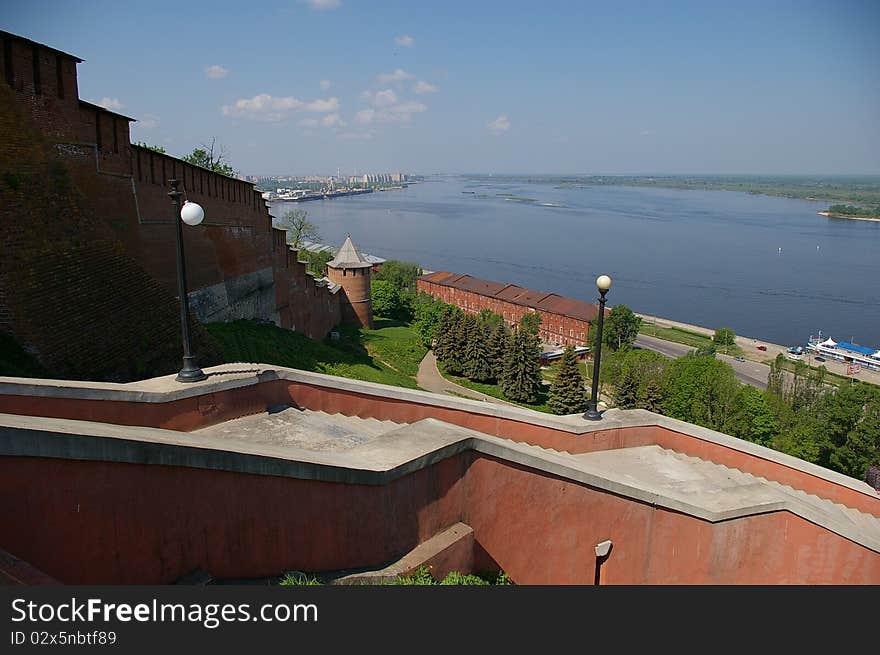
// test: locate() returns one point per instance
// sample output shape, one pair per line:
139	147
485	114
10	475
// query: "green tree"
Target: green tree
402	275
427	314
652	400
620	328
567	393
385	299
724	338
149	146
699	390
213	157
626	393
476	352
706	350
530	323
299	228
521	381
752	418
776	379
861	447
444	332
316	262
456	345
497	347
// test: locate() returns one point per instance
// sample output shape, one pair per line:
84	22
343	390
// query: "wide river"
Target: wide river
709	258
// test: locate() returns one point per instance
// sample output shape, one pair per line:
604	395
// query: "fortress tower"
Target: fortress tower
351	271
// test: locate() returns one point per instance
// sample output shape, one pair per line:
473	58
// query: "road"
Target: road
748	372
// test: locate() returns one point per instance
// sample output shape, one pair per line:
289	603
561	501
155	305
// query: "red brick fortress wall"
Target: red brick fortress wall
238	266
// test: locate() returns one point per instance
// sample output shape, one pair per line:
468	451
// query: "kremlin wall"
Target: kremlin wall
60	153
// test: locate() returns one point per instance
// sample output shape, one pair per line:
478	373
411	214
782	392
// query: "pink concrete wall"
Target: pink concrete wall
125	523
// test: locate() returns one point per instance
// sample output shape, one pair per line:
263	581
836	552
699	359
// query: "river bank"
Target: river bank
850	218
760	351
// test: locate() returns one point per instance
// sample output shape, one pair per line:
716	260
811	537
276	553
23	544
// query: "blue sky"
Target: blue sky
309	86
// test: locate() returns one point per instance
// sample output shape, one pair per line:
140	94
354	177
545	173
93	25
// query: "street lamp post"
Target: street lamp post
191	214
603	283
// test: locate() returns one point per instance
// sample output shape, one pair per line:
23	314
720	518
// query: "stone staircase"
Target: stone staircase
682	482
307	429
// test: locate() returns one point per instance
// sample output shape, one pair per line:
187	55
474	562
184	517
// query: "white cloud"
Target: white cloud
424	87
322	106
323	5
646	132
148	122
404	40
264	107
499	125
365	116
216	72
112	104
399	75
384	98
332	120
387	108
309	122
325	84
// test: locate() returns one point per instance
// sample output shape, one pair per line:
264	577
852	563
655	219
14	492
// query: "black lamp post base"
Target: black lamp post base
592	414
190	372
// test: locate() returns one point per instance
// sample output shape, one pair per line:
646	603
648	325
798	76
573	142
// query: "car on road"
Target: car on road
819	359
740	358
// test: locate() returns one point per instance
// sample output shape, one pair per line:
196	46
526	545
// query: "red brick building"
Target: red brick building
564	321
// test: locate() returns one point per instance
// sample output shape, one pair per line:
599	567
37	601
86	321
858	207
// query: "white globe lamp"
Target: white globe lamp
192	213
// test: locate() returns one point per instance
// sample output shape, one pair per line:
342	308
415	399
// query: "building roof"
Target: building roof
348	256
550	303
313	246
856	348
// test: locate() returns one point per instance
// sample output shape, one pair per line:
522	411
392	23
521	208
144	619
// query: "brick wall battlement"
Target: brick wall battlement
238	265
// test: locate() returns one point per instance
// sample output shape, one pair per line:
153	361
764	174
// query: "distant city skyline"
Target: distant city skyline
306	87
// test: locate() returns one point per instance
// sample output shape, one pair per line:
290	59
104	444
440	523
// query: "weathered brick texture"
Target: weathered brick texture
75	187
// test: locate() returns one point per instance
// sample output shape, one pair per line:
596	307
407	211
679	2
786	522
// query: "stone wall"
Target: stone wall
238	265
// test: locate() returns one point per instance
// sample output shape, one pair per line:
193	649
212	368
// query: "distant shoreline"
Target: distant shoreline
851	218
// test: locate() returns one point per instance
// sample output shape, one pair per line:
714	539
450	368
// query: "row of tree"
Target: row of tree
799	413
484	349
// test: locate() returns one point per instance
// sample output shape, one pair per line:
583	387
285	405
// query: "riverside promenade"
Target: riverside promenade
751	352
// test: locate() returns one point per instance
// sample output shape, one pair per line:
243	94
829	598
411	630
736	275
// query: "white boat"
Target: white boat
844	351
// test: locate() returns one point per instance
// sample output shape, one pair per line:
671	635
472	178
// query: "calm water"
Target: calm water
703	257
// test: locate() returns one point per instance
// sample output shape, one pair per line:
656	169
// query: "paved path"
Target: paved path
429	379
750	372
750	351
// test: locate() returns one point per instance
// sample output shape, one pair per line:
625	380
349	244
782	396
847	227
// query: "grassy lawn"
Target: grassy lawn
686	337
356	355
495	391
396	344
15	362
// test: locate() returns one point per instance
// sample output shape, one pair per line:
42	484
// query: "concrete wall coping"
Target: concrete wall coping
239	375
393	455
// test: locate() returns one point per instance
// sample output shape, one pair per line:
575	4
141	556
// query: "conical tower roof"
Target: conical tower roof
348	256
